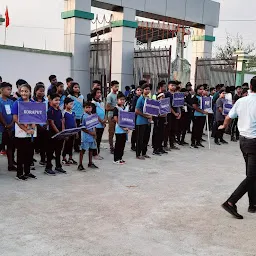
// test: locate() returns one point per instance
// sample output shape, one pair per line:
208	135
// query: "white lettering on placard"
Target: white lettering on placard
152	106
165	106
33	112
92	121
127	120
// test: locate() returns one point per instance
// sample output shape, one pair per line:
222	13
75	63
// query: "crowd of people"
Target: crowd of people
67	108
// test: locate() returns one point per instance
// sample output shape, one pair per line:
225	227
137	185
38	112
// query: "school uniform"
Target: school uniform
100	111
219	117
132	109
54	145
183	125
121	137
78	109
70	123
234	127
158	133
198	123
143	129
7	136
24	146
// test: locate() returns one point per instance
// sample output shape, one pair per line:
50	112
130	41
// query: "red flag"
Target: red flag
7	19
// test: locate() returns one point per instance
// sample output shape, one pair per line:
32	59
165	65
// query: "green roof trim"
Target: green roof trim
2	19
124	23
77	14
204	38
24	49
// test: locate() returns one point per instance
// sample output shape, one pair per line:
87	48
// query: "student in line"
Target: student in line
42	133
17	95
199	119
111	103
87	140
60	92
143	125
99	109
7	124
69	81
55	121
120	132
78	109
69	122
138	93
52	87
23	144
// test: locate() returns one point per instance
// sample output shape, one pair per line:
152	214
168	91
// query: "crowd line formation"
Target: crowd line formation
68	108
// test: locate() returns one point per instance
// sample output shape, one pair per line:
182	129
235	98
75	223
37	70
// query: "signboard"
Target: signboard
32	113
67	133
151	107
206	104
91	121
226	108
126	119
178	99
165	106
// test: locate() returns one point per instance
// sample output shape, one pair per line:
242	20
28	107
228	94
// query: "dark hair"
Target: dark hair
183	90
221	91
120	95
96	82
67	100
172	82
141	82
72	88
218	86
246	84
178	88
144	86
245	90
51	77
239	86
87	104
253	84
38	86
69	79
114	83
138	87
94	92
160	84
59	84
133	86
127	88
5	84
177	82
27	86
20	82
1	79
199	86
188	84
211	89
54	95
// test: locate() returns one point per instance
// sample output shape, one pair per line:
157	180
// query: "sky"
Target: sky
37	23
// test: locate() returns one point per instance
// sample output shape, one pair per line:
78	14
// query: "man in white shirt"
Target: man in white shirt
244	110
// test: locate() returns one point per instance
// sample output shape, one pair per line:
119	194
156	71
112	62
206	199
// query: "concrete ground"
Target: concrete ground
169	205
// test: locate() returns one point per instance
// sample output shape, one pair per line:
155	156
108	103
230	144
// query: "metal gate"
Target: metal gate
152	65
216	71
100	63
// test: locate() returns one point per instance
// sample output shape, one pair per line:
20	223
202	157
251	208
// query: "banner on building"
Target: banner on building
126	119
32	113
165	106
178	99
151	107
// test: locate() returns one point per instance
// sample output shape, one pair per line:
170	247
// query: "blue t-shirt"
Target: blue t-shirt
6	111
85	136
139	105
15	106
70	121
56	116
100	111
197	101
78	108
118	128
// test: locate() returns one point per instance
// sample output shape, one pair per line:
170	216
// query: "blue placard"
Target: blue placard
151	107
165	106
91	121
178	99
67	133
126	119
206	103
226	108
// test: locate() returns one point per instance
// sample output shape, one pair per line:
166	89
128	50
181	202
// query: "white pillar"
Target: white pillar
123	37
201	48
77	30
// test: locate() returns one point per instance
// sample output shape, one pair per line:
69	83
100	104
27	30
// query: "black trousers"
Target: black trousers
41	142
143	135
219	133
170	130
158	133
134	138
234	129
24	155
8	140
99	134
198	128
77	140
211	120
119	146
54	146
68	146
182	128
248	148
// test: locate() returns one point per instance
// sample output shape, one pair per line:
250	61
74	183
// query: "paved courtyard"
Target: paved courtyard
169	205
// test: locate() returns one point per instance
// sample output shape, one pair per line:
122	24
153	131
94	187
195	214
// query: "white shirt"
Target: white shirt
245	110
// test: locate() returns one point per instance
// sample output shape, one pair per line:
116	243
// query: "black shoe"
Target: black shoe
42	163
189	132
193	146
184	143
93	166
252	209
157	153
12	168
22	177
60	170
32	176
232	210
163	152
174	147
80	168
203	140
32	166
34	160
199	145
112	151
233	139
49	172
217	142
224	142
14	163
133	149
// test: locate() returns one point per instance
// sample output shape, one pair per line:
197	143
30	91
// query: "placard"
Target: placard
67	133
151	107
91	121
226	108
178	99
206	104
165	106
126	119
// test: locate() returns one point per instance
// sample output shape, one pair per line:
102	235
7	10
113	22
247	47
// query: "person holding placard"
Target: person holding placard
199	119
143	124
60	92
24	134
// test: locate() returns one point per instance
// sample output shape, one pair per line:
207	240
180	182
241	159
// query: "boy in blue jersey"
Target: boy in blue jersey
199	119
87	140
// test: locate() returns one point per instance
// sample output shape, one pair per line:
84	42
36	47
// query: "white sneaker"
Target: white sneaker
118	162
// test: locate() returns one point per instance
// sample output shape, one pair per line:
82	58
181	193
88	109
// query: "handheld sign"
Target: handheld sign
67	133
206	104
32	113
19	133
151	107
178	99
92	121
226	108
165	106
126	119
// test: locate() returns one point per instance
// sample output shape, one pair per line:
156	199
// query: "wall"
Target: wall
33	65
